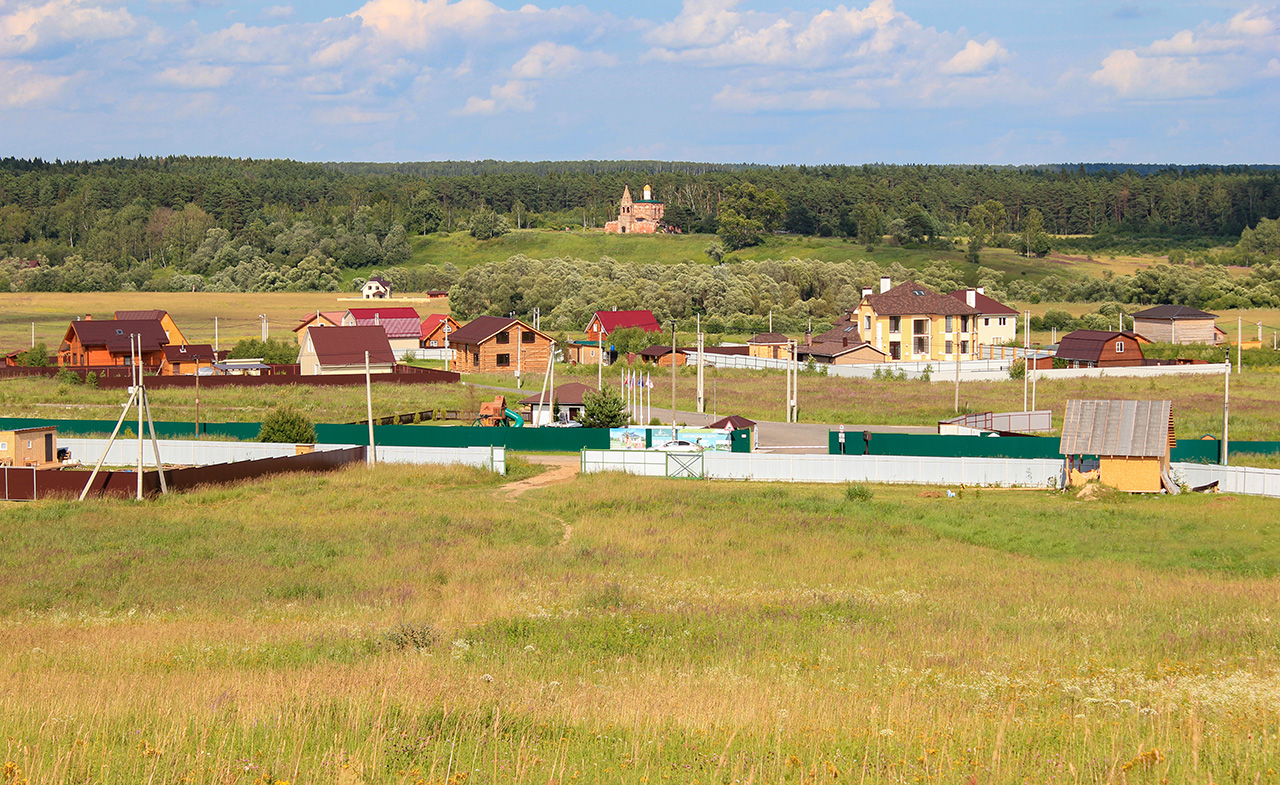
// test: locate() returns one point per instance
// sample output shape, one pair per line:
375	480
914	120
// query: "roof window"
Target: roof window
918	292
119	332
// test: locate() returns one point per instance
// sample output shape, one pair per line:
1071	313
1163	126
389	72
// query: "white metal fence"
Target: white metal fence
428	353
1231	479
1008	472
202	453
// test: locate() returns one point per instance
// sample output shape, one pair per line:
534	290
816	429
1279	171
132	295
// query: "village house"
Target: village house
170	327
567	397
188	359
1177	324
434	328
1100	349
605	323
341	350
586	353
771	346
909	322
37	447
317	319
495	344
643	216
90	343
1132	439
662	356
402	325
997	322
841	345
376	288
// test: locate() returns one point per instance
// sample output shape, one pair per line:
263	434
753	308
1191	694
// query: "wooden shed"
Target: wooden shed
1132	440
29	447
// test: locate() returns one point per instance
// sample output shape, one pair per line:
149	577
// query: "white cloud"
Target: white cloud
548	59
975	58
26	27
277	12
510	97
738	99
420	24
196	76
704	22
1189	64
24	85
351	115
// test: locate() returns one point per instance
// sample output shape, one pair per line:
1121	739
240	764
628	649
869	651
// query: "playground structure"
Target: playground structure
496	414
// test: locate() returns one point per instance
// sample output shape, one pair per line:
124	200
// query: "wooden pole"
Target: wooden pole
673	378
1226	408
372	457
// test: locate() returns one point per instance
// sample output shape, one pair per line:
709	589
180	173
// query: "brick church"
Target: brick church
643	216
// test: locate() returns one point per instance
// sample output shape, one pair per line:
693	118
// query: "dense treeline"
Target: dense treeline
181	223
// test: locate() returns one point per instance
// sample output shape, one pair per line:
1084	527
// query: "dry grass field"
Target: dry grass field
421	625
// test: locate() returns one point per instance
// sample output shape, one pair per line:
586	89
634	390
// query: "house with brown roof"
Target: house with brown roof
317	319
401	323
773	346
102	342
840	345
1177	324
663	357
569	397
341	350
188	359
910	322
376	288
604	323
997	322
1100	349
171	331
496	344
434	327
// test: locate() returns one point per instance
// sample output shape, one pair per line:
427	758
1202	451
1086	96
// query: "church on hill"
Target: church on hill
642	216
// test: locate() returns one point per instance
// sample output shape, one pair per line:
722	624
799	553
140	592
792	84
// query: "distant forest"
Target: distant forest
235	224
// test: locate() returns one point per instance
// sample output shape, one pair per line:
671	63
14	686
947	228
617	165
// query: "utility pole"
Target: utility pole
33	335
215	336
1239	344
600	361
1026	348
197	396
446	343
957	404
673	378
702	391
263	317
1226	408
371	458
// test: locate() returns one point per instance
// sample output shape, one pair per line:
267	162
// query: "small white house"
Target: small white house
376	288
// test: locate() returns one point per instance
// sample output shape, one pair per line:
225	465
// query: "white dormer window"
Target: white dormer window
1119	347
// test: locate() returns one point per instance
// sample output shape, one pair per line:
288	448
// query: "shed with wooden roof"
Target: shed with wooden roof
1132	440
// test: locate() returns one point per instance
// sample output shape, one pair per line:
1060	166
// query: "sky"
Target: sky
726	81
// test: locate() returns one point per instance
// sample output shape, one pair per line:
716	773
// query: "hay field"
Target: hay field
194	312
411	625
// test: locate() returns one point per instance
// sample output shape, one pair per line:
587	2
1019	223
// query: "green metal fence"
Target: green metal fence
935	445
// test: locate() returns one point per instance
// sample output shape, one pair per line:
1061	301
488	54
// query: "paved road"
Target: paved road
797	438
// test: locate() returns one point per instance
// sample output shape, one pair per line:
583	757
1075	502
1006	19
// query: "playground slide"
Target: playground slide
516	420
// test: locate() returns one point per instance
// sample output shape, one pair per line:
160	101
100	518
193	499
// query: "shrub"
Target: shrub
67	376
405	635
1018	368
91	380
287	425
857	492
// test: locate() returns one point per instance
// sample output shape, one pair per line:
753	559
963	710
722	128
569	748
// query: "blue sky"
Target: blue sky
901	81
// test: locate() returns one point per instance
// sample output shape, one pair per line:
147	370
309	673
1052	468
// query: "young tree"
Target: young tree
737	232
1035	242
486	224
287	425
35	357
604	409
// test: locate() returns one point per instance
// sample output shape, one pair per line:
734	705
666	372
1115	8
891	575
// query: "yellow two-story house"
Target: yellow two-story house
913	324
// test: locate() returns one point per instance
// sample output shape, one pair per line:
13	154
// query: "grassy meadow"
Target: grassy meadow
422	625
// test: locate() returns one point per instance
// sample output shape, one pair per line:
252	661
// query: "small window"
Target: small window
1002	320
435	343
895	324
950	327
918	292
527	337
948	350
504	360
119	332
504	337
964	347
475	358
1119	347
964	324
866	321
986	322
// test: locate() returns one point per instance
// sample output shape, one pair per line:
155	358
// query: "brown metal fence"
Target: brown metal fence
21	484
114	377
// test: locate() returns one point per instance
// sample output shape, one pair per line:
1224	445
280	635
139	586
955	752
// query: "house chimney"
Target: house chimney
885	284
808	337
866	291
846	340
971	298
982	290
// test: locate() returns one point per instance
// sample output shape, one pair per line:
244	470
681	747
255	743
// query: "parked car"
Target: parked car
679	445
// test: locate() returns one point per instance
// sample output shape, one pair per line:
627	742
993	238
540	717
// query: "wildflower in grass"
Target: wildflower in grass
886	732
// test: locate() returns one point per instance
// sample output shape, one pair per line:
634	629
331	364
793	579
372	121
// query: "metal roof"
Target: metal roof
1141	429
1173	313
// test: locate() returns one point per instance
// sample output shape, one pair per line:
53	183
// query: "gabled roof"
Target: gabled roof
134	316
844	327
836	348
910	298
620	320
569	394
433	321
191	351
656	351
334	317
733	422
113	334
987	306
399	322
1173	313
481	329
1088	344
347	345
769	338
1142	429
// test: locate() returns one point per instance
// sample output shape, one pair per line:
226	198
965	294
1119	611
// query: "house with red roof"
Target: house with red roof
341	350
402	325
604	323
434	327
175	336
997	322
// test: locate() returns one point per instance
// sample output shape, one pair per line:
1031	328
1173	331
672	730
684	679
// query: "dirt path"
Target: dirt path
563	468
